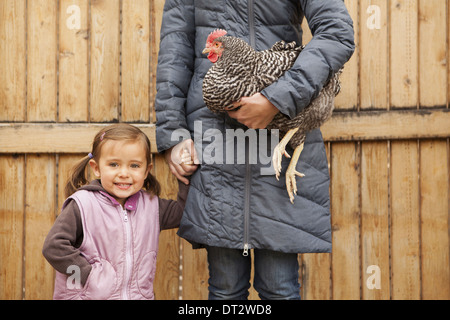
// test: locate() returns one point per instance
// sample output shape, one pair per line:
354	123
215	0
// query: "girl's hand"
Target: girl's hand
256	112
182	159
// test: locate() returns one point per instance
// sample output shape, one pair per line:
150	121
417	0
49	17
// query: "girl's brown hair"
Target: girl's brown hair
119	131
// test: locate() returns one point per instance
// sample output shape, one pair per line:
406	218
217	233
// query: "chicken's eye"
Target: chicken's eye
217	44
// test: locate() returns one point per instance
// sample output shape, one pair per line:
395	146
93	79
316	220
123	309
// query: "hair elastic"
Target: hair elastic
90	155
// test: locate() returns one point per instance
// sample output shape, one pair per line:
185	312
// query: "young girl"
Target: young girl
104	243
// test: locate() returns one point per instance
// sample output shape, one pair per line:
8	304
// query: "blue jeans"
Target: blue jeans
276	274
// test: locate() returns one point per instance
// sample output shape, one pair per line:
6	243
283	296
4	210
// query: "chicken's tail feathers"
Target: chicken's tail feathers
335	82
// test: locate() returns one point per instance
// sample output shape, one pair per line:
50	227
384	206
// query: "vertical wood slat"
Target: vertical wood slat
348	96
375	220
346	271
65	164
373	54
168	262
405	238
156	8
40	183
105	57
432	53
12	195
13	60
194	272
448	54
135	61
434	220
41	60
73	61
403	53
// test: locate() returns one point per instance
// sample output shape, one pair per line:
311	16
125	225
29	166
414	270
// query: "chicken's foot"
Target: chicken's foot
280	150
291	184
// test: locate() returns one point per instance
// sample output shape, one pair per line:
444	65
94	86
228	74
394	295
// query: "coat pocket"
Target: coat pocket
101	282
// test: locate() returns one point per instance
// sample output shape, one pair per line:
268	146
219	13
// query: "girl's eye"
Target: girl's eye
113	164
135	166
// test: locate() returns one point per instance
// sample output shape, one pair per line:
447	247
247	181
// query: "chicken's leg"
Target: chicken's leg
291	184
280	150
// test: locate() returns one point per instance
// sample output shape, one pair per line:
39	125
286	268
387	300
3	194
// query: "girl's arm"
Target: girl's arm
170	211
62	243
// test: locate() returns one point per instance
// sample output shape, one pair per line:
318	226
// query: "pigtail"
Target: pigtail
77	177
152	185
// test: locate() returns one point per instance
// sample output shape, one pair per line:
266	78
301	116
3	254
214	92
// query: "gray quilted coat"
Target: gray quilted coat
235	200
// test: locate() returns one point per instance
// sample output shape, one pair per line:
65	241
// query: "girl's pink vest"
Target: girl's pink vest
121	244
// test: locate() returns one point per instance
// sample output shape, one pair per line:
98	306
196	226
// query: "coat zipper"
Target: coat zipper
128	262
248	169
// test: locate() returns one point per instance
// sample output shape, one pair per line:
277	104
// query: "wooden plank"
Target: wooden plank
156	9
346	270
195	273
11	226
105	61
374	55
434	214
55	138
41	64
432	53
380	125
39	217
348	97
316	276
135	60
167	282
65	164
13	60
405	241
404	53
375	221
343	126
73	61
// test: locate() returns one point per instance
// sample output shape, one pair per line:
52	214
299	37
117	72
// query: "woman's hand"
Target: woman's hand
182	159
256	112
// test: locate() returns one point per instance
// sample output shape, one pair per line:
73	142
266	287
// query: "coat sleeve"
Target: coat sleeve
63	240
175	69
331	47
171	211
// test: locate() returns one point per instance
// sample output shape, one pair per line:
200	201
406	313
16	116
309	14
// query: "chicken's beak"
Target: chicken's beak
206	50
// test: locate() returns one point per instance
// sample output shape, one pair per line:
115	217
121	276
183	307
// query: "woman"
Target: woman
233	207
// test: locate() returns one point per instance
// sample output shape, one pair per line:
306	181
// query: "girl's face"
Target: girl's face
122	168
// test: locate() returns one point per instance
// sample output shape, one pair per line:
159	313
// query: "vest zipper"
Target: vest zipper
128	260
248	168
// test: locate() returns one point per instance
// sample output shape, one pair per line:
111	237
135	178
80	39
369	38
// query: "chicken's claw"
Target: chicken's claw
291	172
280	150
278	153
291	183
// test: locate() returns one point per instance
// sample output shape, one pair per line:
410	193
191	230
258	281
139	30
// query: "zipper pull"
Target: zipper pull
245	253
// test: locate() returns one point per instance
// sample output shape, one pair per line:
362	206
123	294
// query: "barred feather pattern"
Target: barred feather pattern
242	72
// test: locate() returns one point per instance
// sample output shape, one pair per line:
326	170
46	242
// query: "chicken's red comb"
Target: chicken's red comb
215	34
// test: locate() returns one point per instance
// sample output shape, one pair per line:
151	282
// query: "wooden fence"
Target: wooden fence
68	67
